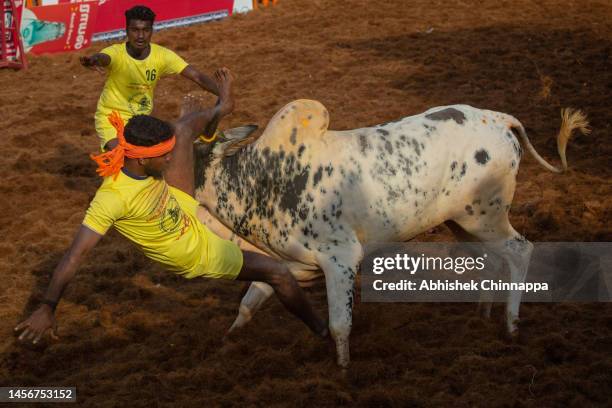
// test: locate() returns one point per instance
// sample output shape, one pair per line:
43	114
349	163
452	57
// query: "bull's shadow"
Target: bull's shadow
529	73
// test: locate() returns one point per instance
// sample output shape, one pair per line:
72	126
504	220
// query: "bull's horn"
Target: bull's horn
239	133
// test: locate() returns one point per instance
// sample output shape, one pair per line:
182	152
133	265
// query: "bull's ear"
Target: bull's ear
237	133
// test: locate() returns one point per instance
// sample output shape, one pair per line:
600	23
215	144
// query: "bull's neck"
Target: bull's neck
208	174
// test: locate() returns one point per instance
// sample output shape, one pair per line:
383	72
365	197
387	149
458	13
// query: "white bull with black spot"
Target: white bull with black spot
314	197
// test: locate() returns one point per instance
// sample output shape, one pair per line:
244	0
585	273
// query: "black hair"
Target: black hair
139	13
145	130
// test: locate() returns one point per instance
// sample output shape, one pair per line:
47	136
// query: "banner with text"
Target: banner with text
169	13
58	28
10	52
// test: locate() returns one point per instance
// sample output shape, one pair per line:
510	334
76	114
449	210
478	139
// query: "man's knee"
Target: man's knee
266	269
281	277
279	272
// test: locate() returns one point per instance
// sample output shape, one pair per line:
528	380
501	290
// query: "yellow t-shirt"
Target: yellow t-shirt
130	83
161	221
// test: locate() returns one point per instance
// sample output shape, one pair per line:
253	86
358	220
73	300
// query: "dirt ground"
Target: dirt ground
134	335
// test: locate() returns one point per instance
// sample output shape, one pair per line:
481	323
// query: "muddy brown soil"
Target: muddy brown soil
134	335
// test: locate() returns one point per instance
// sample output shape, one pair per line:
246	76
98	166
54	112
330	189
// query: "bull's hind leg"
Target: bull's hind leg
518	254
255	297
340	269
498	235
512	247
486	301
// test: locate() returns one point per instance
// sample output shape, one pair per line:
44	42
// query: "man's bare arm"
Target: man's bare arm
197	120
42	319
83	242
96	61
193	124
204	81
194	121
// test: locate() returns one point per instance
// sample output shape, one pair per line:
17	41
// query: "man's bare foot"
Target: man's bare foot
224	83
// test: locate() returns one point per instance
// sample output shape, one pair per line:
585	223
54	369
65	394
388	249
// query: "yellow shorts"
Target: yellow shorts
220	258
105	132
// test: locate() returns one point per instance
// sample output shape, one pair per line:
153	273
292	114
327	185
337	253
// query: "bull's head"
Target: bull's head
224	143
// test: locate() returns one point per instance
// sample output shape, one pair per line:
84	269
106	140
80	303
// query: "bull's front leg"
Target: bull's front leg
340	270
255	297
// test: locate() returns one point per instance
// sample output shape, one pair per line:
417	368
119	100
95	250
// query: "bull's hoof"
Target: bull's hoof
244	316
235	326
344	372
512	326
343	364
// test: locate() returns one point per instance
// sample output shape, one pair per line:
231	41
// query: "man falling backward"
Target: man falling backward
147	195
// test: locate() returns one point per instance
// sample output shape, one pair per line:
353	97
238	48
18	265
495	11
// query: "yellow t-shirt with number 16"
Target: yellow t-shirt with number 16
130	83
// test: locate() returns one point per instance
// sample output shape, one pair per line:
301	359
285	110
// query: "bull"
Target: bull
315	197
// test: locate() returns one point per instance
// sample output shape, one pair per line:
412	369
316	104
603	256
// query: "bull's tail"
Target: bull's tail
570	120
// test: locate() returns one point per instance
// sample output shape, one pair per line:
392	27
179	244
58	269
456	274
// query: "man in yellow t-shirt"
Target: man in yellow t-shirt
134	68
147	195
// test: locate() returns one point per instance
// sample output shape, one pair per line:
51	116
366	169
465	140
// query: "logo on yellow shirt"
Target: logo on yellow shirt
139	104
171	217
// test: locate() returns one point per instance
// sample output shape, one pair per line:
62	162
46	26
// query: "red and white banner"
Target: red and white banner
10	43
169	13
64	25
58	28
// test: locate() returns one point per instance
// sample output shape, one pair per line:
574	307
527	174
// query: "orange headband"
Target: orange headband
109	163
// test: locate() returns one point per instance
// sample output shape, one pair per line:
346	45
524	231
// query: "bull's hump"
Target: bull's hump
448	113
299	122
